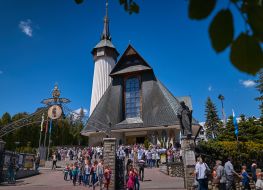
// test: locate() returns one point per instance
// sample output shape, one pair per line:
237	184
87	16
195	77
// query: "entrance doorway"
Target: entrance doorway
140	140
133	139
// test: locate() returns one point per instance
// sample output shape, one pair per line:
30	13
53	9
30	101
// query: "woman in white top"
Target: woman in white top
200	171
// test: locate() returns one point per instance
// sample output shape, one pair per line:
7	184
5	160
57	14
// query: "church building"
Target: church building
128	101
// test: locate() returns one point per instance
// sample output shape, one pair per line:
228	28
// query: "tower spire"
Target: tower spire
106	30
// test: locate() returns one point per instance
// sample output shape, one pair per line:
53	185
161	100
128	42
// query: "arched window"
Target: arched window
132	98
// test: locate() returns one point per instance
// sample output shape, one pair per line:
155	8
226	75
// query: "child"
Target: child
107	176
245	178
75	173
70	171
131	180
66	172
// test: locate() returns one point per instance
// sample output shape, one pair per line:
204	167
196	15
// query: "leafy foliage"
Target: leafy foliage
241	152
246	51
246	54
254	11
248	147
64	132
221	37
212	122
79	1
200	9
129	5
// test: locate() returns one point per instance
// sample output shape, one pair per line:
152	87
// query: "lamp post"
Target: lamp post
222	98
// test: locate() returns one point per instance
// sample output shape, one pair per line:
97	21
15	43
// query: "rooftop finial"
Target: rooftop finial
107	4
106	31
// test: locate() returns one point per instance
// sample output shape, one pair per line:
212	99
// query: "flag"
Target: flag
50	126
42	122
235	123
47	126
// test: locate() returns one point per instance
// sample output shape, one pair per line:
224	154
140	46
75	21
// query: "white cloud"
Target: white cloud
1	72
247	83
26	27
209	88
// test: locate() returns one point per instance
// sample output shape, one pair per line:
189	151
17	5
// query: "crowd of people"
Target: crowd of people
84	172
89	169
152	155
224	176
74	153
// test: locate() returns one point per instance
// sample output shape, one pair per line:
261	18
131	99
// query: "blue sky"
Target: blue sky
44	42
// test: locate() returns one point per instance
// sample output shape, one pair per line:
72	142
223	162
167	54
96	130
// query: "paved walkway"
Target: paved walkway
154	179
53	180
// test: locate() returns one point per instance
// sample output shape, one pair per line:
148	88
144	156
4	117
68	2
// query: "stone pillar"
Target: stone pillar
109	157
188	154
2	151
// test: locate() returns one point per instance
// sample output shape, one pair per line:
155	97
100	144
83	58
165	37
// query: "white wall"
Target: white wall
101	79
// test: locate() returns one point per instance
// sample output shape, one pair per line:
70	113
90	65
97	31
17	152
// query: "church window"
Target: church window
132	98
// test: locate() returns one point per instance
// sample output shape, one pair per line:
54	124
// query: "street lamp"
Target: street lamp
222	98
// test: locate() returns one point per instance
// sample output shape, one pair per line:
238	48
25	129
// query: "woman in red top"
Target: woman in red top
107	176
131	180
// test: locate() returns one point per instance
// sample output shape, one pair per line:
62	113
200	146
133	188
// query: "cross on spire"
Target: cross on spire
106	30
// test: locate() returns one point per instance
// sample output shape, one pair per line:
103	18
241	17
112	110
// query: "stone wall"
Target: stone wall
109	156
175	169
189	161
238	185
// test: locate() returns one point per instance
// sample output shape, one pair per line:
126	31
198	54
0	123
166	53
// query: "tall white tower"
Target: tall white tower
105	56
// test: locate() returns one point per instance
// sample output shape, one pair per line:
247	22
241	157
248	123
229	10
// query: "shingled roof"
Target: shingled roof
159	108
130	61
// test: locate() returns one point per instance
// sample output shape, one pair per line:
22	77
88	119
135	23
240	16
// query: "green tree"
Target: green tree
250	129
212	122
260	89
9	139
6	118
65	131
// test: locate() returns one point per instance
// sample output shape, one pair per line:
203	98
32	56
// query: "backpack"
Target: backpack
207	171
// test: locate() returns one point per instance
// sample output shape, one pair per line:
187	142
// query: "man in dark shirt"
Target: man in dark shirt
141	165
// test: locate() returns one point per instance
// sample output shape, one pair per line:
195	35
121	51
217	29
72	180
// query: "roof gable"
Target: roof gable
130	61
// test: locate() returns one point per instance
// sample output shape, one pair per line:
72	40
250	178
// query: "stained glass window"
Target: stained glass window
132	98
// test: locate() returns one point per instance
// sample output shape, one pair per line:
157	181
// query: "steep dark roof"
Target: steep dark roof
131	61
159	108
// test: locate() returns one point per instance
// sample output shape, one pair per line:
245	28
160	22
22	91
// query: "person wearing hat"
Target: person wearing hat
201	170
